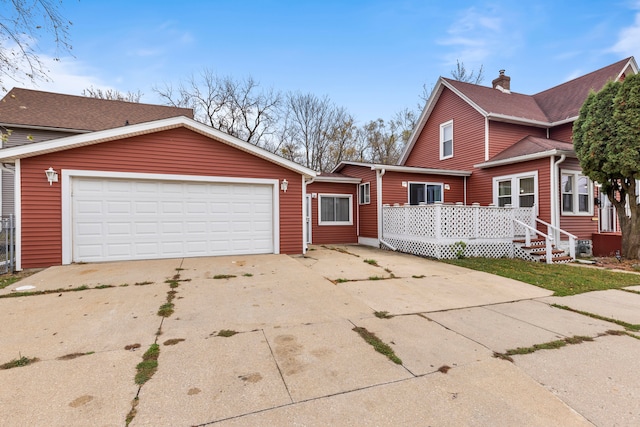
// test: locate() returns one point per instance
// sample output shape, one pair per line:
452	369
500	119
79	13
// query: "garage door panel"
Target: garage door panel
138	219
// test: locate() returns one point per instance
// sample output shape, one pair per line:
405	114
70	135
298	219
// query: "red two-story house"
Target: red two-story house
478	144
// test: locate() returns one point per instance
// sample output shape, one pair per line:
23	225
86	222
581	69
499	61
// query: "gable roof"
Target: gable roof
48	110
529	148
552	107
9	155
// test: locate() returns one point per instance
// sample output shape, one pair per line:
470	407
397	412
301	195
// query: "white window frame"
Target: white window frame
575	175
364	193
438	184
442	141
342	196
514	178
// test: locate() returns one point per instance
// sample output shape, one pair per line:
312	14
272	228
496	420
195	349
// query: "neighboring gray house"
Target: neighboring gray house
33	116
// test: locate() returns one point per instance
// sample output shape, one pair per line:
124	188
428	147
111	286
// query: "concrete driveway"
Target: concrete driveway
295	359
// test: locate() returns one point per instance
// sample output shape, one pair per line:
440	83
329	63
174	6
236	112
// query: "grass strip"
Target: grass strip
17	363
49	291
6	281
562	279
551	345
378	344
628	326
148	366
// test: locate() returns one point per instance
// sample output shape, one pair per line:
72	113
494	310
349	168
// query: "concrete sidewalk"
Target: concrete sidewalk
295	358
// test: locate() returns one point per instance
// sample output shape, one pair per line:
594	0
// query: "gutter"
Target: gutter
379	174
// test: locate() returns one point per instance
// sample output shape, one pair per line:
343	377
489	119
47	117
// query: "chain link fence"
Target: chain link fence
7	245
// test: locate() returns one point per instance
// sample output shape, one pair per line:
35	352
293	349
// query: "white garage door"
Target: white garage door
117	219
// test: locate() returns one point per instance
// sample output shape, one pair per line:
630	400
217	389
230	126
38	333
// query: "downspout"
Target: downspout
379	174
555	196
465	191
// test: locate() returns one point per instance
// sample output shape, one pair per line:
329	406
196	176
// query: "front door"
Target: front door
307	218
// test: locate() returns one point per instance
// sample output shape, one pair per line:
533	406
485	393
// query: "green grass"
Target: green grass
552	345
223	276
8	280
562	279
227	333
16	363
382	315
371	262
378	344
148	366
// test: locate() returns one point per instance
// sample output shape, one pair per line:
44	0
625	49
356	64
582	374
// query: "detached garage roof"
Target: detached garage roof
9	155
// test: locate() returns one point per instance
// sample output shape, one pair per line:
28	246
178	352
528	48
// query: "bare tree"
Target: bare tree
460	73
112	94
22	23
309	124
237	107
343	137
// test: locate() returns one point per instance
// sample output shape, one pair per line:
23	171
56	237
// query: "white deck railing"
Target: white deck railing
447	231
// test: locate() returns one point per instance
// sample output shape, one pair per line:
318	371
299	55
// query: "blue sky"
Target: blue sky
371	57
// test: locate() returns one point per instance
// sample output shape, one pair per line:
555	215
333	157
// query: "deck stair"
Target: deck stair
536	251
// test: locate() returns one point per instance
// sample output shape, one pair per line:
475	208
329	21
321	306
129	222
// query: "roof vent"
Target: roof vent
502	83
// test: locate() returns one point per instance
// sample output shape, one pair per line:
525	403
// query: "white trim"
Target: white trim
368	241
575	174
337	179
308	227
340	196
61	144
525	158
515	199
305	239
366	185
439	184
66	191
442	140
17	200
379	174
486	139
408	169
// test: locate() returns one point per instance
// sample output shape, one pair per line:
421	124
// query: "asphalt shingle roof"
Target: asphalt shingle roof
28	107
552	105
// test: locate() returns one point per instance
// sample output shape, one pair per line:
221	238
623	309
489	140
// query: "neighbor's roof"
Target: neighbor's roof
10	155
529	148
37	109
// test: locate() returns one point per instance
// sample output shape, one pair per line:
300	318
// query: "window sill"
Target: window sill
334	223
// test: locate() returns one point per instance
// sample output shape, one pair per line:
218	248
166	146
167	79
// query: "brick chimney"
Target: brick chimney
502	83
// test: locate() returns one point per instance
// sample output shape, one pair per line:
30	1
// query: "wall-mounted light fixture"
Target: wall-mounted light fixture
284	185
52	175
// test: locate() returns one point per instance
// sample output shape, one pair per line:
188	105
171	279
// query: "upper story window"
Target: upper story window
446	140
422	192
576	194
335	209
364	194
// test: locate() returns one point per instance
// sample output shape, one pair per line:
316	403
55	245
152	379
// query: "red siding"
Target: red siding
394	192
580	225
504	135
562	133
468	136
480	184
178	151
368	213
333	234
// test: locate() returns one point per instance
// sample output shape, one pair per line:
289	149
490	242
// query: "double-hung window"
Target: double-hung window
516	190
422	192
446	140
576	194
364	194
335	209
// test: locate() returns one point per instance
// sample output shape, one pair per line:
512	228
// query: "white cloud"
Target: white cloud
628	43
65	76
472	35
